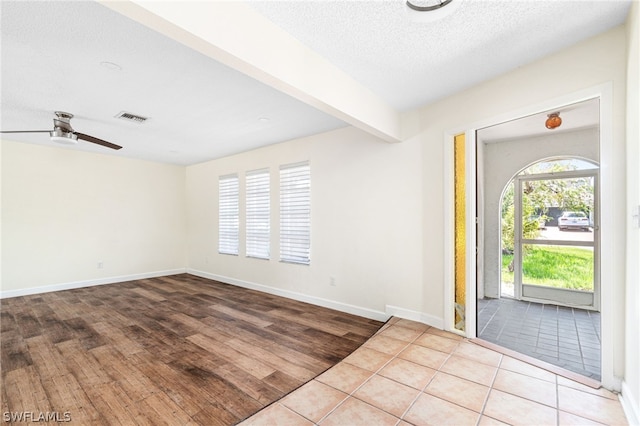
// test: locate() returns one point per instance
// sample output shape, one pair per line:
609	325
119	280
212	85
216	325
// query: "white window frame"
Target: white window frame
295	213
229	214
258	214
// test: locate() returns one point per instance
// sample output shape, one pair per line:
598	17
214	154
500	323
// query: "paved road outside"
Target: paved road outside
553	233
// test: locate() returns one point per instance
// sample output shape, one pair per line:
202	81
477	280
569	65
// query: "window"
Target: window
258	214
295	213
228	213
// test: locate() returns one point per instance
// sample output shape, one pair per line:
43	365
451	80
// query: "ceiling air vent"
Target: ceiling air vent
131	117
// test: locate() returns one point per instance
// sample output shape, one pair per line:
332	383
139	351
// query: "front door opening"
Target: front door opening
549	235
549	291
538	263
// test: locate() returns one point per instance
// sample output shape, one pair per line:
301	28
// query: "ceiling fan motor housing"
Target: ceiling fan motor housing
63	121
61	136
62	131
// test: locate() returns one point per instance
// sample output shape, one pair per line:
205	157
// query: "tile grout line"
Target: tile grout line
493	381
422	391
504	324
557	401
443	372
401	418
489	322
575	324
374	373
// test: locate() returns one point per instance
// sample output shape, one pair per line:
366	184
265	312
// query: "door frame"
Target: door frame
609	322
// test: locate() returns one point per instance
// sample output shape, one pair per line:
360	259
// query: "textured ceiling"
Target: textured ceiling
410	63
200	109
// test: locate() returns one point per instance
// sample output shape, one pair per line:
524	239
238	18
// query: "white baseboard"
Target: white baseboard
318	301
415	316
88	283
630	405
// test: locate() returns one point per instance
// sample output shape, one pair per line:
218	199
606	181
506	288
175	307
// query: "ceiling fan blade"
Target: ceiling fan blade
97	141
25	131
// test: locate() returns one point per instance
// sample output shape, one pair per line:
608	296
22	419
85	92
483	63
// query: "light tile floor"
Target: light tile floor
411	374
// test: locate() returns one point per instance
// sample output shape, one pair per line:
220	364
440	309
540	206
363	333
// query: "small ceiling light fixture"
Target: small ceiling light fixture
553	121
430	10
112	66
427	5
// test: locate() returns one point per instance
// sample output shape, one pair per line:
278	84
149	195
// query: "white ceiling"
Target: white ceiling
410	63
200	109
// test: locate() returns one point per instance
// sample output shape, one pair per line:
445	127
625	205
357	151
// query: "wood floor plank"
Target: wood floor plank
253	366
7	321
114	405
14	352
82	364
46	358
259	390
274	361
135	384
28	323
149	294
117	338
235	313
25	391
285	346
4	400
167	350
66	396
191	399
162	410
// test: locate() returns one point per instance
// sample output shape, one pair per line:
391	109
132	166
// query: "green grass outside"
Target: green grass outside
554	266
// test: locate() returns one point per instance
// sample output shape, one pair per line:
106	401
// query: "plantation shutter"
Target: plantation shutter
228	214
295	213
258	214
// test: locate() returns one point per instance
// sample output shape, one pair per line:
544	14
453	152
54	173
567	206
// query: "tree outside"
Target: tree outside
566	194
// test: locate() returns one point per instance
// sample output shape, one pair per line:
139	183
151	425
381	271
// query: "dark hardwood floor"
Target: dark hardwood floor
169	350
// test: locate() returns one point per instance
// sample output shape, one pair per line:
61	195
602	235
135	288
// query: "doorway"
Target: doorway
539	291
550	234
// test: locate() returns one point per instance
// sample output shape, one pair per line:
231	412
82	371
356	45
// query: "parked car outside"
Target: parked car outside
573	220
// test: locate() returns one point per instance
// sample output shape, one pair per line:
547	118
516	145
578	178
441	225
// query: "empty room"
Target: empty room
420	212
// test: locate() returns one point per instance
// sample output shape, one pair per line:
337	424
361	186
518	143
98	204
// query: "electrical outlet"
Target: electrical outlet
636	216
100	264
332	281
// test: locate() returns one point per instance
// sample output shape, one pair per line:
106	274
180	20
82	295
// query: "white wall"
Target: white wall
593	62
352	246
631	385
366	218
63	211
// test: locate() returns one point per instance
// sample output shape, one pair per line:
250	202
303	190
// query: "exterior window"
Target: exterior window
295	213
258	214
228	214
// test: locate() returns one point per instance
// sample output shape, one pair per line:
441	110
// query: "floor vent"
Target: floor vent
131	117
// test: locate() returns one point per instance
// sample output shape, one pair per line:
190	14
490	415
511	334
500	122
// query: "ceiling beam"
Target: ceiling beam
238	36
